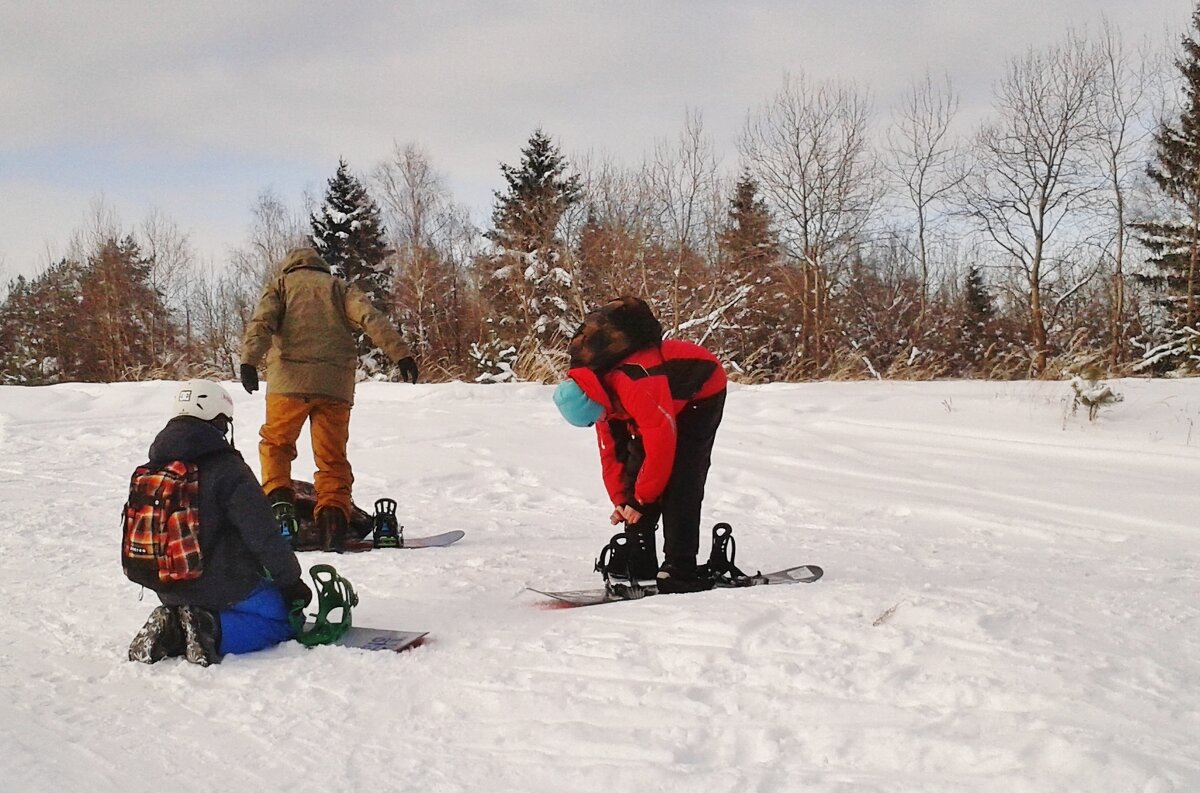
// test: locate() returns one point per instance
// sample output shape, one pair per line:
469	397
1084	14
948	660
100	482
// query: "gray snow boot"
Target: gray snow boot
201	635
161	637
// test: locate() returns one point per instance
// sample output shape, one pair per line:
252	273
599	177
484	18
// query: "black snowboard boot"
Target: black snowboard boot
682	575
332	524
629	560
201	635
161	637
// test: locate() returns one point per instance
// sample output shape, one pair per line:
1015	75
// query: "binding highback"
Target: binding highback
721	565
385	525
619	564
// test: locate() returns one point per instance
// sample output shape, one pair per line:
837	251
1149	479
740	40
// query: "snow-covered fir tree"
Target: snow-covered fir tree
757	340
977	313
348	232
528	278
98	320
1174	240
128	321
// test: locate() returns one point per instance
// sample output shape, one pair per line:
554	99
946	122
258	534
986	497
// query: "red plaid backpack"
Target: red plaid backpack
160	543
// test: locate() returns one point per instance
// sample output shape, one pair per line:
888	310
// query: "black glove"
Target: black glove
249	378
297	595
408	369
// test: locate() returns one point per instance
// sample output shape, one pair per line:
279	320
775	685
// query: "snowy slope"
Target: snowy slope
1010	604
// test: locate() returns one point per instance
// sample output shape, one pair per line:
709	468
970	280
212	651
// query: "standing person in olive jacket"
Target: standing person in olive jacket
251	578
656	406
306	318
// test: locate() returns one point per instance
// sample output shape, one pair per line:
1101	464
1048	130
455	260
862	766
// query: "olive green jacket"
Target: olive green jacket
306	318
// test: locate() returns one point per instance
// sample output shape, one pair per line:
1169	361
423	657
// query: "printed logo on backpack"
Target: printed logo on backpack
160	544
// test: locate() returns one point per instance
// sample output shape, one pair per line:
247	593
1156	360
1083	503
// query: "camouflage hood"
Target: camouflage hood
300	258
613	332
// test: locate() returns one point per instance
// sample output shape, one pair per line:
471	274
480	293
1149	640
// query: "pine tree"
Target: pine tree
349	234
18	318
1174	241
758	341
748	238
126	322
977	314
529	279
98	321
44	332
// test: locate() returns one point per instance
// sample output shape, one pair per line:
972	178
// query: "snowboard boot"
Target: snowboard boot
283	507
201	635
161	637
681	575
332	524
629	564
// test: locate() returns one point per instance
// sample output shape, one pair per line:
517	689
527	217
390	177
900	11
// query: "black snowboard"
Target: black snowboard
573	598
358	537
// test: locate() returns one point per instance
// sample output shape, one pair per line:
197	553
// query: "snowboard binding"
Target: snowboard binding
334	593
721	567
628	565
387	532
289	526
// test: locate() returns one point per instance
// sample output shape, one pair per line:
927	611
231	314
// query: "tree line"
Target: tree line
1060	233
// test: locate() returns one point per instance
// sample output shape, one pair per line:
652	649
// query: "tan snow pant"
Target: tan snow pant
329	425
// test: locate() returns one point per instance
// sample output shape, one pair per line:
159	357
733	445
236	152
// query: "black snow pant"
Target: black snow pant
695	430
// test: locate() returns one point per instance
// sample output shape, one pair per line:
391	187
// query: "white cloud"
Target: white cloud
146	99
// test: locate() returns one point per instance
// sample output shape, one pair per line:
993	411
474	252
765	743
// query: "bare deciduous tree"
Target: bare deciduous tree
612	240
1121	115
215	322
926	163
685	188
432	240
275	229
808	149
172	260
1034	173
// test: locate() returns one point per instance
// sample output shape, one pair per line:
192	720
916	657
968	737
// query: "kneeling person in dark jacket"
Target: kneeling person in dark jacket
250	578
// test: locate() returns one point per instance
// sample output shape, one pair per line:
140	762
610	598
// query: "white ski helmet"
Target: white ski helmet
203	399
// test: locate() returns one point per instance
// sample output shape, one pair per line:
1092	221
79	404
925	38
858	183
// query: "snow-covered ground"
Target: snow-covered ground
1011	603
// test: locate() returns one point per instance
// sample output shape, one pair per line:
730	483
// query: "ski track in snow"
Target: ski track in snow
1009	604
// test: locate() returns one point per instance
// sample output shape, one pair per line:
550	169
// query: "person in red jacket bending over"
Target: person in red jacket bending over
656	406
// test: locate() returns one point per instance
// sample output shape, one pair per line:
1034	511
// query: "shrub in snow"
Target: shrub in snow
1093	394
494	361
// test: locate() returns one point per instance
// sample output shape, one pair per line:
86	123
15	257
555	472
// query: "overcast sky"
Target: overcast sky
195	108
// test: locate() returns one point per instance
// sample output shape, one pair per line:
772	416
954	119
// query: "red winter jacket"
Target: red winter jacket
641	396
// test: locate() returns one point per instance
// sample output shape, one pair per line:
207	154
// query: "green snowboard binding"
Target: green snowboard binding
334	593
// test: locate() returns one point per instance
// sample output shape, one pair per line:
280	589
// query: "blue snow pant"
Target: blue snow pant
258	622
